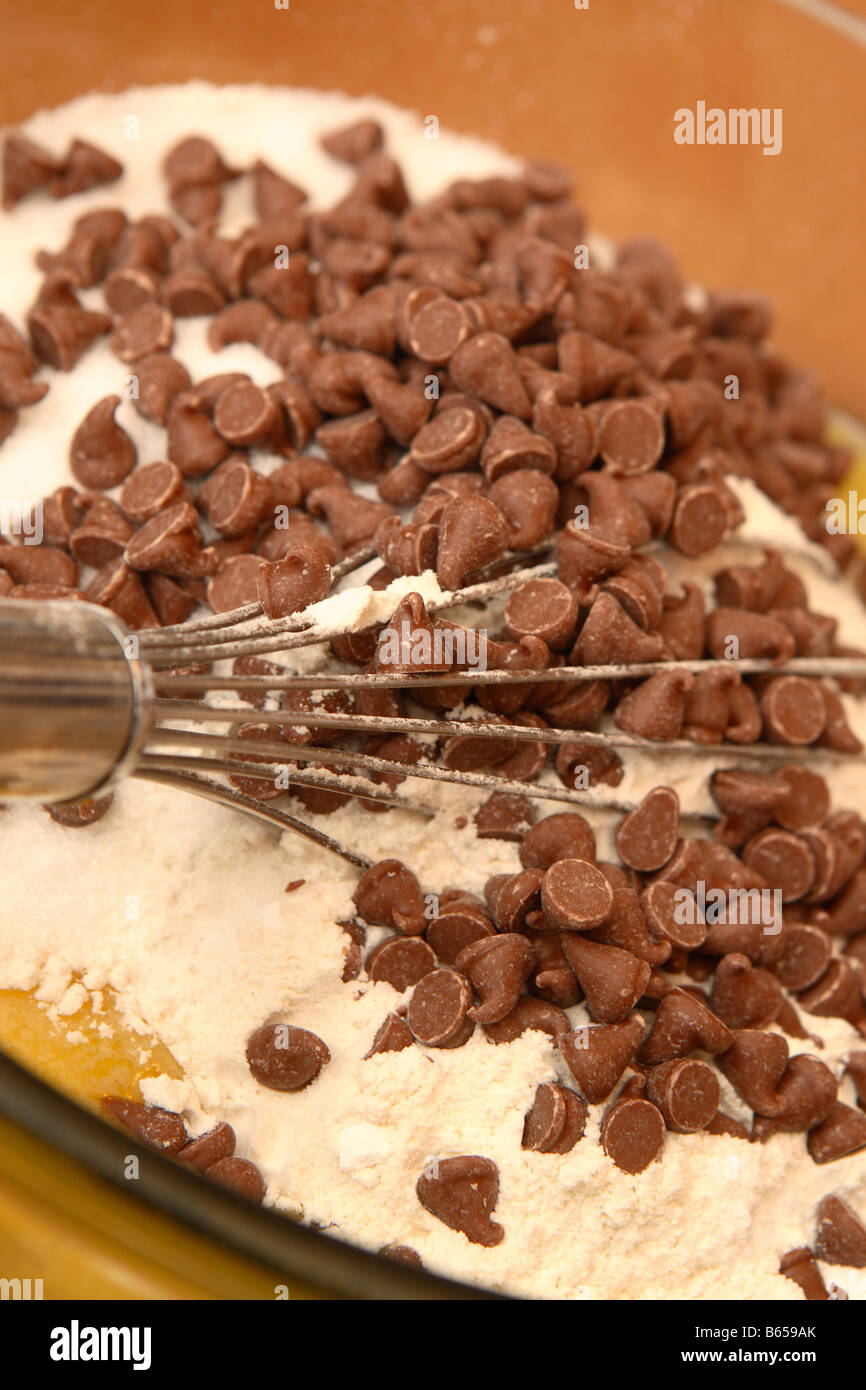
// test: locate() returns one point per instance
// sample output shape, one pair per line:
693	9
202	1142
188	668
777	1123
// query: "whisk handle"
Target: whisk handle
74	700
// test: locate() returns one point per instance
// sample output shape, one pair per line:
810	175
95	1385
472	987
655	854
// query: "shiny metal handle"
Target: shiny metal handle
74	700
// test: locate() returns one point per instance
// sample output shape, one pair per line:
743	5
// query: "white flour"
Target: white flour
180	907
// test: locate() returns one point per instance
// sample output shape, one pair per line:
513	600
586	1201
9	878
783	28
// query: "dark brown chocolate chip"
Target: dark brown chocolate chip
439	1007
555	1121
209	1148
597	1056
841	1132
754	1064
284	1058
240	1176
392	1036
497	967
800	1266
647	837
686	1091
612	979
633	1133
462	1192
840	1235
401	961
101	453
76	814
156	1128
402	1254
575	895
455	927
389	895
529	1013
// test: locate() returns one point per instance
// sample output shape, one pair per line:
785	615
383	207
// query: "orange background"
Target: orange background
596	88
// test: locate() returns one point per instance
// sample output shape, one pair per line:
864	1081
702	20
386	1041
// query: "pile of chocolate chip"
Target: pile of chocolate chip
462	358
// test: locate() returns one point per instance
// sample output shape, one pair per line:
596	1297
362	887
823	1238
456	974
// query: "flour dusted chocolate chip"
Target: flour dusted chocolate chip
291	584
438	1009
633	1133
389	895
209	1148
556	1118
504	816
284	1058
612	979
598	1055
152	1126
529	1013
647	837
684	1024
497	967
565	835
394	1035
686	1092
840	1234
101	454
401	961
575	895
462	1193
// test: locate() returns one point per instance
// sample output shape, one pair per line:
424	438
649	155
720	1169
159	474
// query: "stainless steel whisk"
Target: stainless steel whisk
84	703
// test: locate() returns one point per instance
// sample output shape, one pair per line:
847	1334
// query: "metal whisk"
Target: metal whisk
84	702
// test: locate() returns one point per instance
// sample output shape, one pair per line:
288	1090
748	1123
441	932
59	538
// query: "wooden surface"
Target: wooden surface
595	87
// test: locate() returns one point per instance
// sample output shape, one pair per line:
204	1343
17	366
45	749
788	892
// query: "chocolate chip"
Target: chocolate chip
240	1176
38	564
686	1091
512	447
840	1235
684	1024
354	143
462	1193
743	996
528	501
392	1036
793	710
529	1013
455	927
171	543
291	584
565	835
612	979
542	608
486	366
439	1007
101	453
656	708
597	1056
556	1120
284	1058
448	442
102	535
353	520
647	837
799	1265
156	1128
160	378
389	895
194	444
85	167
610	636
401	961
497	967
76	814
754	1064
785	861
209	1148
472	534
633	1134
119	588
356	444
235	584
575	895
152	488
841	1132
27	167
